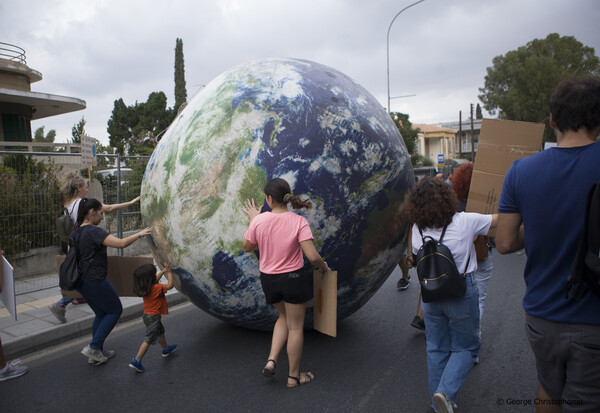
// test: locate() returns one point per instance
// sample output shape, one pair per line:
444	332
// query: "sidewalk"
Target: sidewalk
36	327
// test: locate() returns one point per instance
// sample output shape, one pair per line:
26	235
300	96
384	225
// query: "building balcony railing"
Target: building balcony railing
40	147
13	53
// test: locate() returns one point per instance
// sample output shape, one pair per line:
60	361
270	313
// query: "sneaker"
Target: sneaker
402	284
442	403
170	349
94	354
59	312
108	354
418	323
137	366
13	371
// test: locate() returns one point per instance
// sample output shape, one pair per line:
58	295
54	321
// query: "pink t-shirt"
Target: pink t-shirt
278	237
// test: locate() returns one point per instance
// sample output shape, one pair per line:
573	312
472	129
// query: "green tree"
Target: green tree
120	125
39	136
102	161
478	114
409	135
135	130
180	92
519	84
77	131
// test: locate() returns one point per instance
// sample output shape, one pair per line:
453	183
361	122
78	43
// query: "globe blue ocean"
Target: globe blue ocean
295	119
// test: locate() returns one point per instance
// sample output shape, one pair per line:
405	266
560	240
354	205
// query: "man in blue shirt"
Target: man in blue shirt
542	208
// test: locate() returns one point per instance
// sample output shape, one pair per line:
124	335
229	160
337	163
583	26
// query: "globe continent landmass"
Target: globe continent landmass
295	119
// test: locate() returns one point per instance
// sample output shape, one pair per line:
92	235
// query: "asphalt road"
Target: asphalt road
376	364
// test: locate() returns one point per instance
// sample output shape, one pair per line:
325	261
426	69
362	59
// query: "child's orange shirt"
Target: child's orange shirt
155	301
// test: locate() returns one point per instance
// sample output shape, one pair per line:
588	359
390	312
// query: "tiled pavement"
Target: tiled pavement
36	327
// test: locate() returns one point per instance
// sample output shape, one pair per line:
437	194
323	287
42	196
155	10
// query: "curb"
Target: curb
61	333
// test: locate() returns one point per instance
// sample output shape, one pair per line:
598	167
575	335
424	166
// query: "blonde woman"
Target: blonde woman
73	188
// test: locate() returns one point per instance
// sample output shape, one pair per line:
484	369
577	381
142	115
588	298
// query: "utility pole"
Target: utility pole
472	137
460	134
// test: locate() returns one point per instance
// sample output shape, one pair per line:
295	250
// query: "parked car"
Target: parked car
114	172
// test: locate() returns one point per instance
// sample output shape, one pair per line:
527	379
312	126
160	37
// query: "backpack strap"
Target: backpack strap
76	203
441	237
576	283
76	246
443	233
467	266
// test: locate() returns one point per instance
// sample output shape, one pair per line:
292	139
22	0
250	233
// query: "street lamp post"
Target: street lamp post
388	51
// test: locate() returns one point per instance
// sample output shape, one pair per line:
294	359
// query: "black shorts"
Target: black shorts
294	287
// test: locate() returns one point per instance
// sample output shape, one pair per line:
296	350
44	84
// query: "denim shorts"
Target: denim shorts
294	287
154	327
567	357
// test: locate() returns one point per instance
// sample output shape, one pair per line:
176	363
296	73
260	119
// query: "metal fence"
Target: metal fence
30	202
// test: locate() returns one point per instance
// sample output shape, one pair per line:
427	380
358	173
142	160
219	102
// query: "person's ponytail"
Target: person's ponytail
298	203
281	193
84	208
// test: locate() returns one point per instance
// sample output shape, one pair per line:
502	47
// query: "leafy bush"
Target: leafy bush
29	204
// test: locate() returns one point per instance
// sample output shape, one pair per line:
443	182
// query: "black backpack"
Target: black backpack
438	275
585	272
64	225
71	271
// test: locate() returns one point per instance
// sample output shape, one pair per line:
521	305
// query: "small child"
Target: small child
145	284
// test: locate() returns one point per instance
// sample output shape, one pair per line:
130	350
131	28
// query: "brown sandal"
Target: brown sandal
270	373
308	377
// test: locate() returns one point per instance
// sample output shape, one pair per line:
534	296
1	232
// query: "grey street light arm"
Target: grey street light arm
388	50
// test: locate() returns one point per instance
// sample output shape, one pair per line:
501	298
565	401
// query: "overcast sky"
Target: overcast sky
100	51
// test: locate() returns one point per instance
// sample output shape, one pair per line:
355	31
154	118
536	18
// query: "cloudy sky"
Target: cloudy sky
103	50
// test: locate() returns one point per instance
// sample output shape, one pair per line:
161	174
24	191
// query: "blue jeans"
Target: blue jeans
452	340
482	278
63	302
104	301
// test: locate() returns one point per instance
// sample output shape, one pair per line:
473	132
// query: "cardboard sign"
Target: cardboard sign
120	274
88	151
8	287
501	142
325	302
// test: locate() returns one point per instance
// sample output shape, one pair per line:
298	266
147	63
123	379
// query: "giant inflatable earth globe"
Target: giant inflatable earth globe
298	120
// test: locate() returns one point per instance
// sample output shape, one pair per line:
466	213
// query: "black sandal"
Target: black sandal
307	379
270	373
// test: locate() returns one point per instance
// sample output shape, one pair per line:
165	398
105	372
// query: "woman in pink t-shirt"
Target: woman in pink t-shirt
282	236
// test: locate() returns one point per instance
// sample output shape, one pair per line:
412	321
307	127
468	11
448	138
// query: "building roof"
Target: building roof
42	104
15	88
425	128
466	124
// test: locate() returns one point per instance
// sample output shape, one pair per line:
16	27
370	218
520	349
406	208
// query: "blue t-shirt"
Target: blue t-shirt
549	190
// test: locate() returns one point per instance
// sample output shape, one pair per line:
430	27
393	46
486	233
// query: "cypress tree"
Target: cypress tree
180	92
478	113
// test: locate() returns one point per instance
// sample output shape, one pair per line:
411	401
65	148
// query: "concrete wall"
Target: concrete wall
43	260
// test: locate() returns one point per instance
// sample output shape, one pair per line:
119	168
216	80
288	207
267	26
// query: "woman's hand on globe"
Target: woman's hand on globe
250	209
145	231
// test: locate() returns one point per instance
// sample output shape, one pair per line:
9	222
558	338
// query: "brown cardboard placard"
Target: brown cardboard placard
120	274
501	142
325	302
